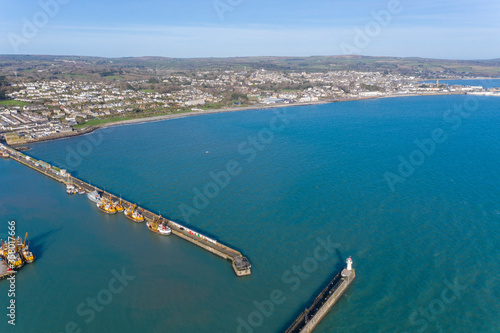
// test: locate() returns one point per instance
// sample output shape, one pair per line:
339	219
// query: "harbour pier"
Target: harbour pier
4	270
240	264
312	316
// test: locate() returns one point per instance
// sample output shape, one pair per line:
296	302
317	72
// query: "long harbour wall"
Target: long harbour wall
311	317
178	229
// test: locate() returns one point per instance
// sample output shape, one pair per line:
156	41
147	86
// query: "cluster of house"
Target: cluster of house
54	106
28	125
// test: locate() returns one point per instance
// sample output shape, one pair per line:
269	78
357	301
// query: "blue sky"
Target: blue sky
222	28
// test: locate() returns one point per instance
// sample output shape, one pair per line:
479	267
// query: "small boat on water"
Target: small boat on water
159	226
106	206
94	196
80	190
132	214
4	154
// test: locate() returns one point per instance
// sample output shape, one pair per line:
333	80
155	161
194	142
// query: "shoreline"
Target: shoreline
136	121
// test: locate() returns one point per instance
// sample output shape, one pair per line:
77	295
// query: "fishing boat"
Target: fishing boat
4	154
158	226
132	214
19	244
164	229
70	189
118	206
15	261
106	206
80	190
94	196
27	255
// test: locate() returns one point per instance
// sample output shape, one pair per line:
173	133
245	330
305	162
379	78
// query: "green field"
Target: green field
101	121
96	122
12	102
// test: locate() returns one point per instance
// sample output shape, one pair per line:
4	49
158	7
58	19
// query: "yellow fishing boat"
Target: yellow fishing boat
16	253
132	214
118	206
15	260
159	226
106	206
27	255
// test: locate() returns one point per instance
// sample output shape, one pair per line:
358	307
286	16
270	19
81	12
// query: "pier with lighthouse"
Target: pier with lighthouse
311	317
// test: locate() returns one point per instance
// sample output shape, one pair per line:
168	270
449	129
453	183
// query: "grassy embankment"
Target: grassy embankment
101	121
96	122
11	102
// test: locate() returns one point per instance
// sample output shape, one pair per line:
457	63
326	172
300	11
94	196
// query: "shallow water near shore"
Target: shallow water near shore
311	181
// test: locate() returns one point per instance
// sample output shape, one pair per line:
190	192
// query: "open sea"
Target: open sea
409	187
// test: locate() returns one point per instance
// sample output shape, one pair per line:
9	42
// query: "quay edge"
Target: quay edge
240	264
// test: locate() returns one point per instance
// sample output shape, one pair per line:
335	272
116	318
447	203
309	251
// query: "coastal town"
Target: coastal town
42	110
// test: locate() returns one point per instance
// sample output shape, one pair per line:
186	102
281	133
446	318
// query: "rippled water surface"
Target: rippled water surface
408	187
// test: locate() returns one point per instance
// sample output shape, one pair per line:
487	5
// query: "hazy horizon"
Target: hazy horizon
236	28
236	57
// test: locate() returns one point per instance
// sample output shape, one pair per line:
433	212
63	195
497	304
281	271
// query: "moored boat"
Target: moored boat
158	226
94	196
28	256
24	250
106	206
132	214
15	261
118	206
71	189
4	154
164	229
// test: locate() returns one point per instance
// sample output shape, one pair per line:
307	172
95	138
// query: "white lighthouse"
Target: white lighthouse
349	263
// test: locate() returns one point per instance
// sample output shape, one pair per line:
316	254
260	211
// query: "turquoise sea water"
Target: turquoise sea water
425	251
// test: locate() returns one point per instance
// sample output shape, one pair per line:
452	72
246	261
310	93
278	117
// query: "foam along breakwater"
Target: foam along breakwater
311	317
240	264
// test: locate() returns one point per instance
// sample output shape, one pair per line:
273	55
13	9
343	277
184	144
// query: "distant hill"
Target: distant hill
98	68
